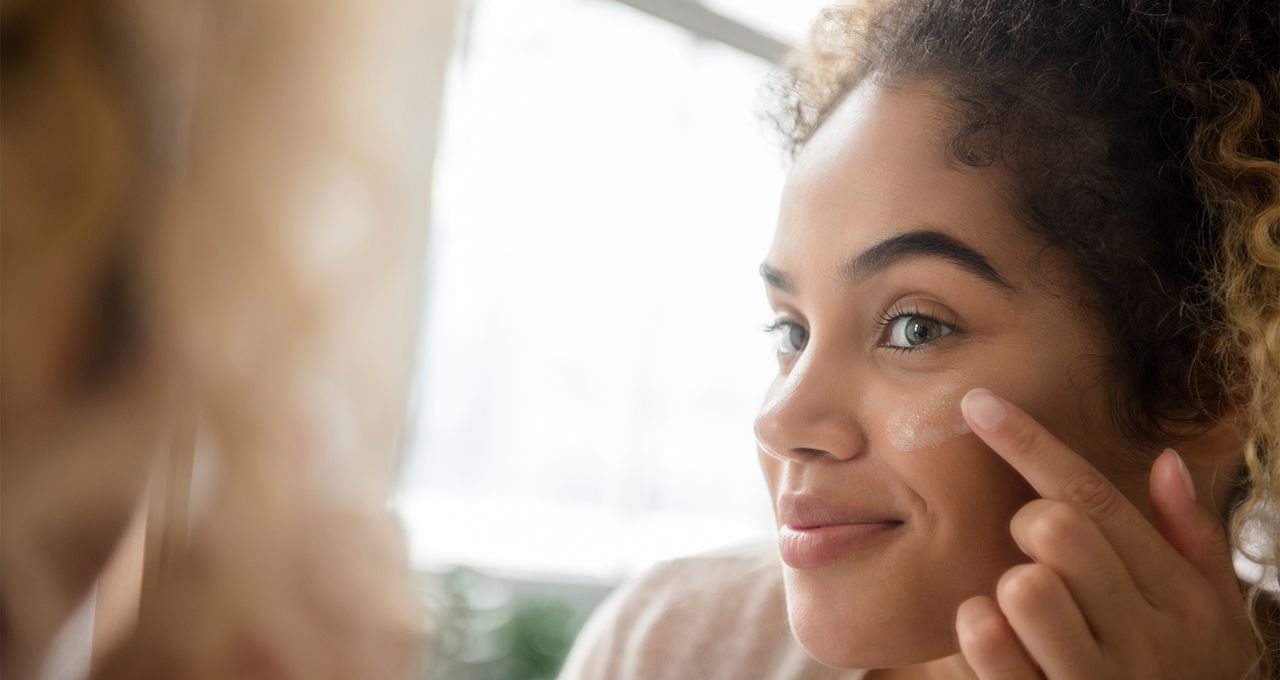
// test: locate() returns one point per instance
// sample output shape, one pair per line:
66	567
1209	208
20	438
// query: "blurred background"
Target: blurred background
238	235
591	352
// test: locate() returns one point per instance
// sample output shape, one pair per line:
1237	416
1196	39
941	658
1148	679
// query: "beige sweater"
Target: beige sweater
712	617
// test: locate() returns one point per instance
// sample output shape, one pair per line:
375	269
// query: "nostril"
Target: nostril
809	424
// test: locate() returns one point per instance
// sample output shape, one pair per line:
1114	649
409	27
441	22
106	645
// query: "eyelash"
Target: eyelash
892	314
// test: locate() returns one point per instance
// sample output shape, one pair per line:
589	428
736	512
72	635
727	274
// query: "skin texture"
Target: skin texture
878	167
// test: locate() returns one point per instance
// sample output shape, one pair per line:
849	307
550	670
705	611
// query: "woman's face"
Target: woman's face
901	279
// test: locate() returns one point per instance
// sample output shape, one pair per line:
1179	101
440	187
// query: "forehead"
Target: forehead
879	165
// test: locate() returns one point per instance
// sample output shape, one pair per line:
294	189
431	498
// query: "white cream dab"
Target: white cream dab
928	423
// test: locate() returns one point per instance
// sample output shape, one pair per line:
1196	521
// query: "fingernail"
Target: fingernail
1186	474
984	409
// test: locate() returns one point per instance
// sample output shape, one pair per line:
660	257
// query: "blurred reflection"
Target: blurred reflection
214	218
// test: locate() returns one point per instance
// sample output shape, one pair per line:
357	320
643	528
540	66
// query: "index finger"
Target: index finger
1058	473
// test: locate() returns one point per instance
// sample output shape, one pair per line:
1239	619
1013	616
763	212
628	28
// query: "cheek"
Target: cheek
965	489
962	494
926	423
1080	419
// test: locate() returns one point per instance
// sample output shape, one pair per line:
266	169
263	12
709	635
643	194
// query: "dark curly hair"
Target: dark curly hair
1143	140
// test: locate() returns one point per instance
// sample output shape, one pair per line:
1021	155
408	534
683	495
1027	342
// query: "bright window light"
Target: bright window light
593	356
788	20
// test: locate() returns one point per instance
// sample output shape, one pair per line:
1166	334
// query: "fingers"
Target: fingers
989	643
1061	537
1052	629
1058	473
1190	527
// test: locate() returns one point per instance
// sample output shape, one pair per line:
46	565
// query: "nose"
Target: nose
811	415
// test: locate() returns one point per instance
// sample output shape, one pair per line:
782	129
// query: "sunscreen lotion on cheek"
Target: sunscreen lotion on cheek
928	423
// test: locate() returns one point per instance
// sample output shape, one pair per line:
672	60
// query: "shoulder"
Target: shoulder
719	615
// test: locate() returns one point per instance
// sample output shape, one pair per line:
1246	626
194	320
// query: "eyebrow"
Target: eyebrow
915	243
776	279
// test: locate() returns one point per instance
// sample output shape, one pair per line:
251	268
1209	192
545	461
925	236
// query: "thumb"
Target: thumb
1190	527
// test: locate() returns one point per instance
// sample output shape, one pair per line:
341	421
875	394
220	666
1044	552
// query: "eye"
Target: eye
792	337
910	331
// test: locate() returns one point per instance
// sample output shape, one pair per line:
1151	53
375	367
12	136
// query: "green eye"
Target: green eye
792	337
909	331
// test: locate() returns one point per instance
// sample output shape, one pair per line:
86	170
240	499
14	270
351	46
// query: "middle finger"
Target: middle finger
1048	622
1063	538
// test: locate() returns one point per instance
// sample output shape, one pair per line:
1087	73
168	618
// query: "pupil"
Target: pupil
919	332
797	337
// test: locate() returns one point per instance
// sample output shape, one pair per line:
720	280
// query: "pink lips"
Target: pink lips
813	531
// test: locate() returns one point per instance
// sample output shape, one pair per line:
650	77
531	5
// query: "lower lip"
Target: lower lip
816	546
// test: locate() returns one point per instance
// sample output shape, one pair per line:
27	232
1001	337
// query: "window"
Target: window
592	356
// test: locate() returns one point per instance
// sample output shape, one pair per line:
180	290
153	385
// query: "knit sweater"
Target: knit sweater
713	617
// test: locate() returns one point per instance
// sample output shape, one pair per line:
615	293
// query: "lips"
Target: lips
809	511
814	531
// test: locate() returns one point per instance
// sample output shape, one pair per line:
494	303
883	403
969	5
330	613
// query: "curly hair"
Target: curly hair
1143	138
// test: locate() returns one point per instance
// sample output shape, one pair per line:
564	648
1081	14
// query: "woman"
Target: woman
1027	284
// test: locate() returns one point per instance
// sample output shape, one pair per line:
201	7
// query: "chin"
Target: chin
853	629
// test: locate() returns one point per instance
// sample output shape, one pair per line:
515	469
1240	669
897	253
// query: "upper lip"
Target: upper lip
800	510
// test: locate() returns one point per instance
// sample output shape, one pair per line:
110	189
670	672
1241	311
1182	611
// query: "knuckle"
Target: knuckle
1027	438
1093	494
983	634
1054	526
1025	587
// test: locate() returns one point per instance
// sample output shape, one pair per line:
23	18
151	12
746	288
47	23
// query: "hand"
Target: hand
1108	595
